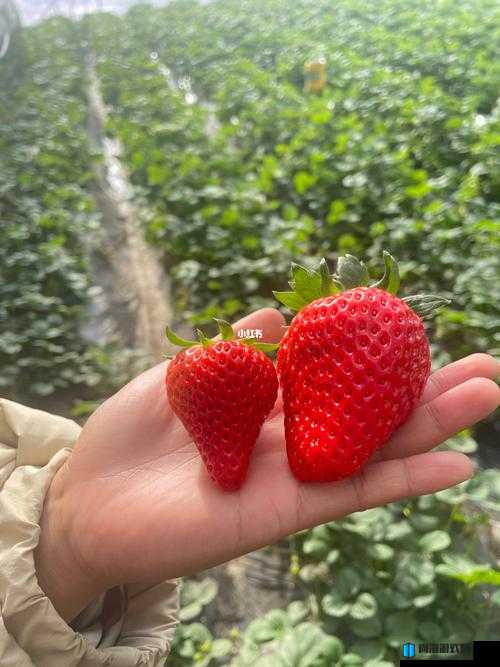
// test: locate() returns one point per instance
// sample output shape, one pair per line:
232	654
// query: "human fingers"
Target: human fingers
378	484
435	421
475	365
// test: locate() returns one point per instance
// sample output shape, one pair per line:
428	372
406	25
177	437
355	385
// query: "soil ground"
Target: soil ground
134	303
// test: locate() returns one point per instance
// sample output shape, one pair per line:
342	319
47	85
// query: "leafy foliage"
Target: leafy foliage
193	643
398	152
45	213
392	573
238	172
372	581
195	595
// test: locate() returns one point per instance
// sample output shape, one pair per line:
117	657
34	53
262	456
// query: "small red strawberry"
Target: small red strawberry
352	365
222	391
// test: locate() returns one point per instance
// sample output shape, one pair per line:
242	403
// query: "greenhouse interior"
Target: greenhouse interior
307	192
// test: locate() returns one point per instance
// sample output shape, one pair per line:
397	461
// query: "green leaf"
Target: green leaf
468	572
316	548
352	659
195	595
365	606
347	583
198	633
367	628
414	571
177	340
329	652
418	191
452	496
462	443
158	174
422	601
258	345
306	283
221	648
351	272
435	541
84	408
42	388
333	556
329	286
400	627
334	605
310	647
369	649
302	645
297	611
425	305
400	530
401	600
430	631
314	572
190	611
291	300
424	522
337	210
207	591
187	649
380	551
262	630
303	180
390	280
225	329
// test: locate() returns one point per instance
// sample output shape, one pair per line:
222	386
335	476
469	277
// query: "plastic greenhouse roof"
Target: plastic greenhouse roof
36	10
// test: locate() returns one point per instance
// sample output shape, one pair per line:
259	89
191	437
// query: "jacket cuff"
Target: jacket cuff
29	624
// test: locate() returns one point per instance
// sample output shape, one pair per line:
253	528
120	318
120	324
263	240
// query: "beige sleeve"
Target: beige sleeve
127	627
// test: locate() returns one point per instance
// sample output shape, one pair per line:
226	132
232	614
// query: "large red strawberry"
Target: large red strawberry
222	391
352	365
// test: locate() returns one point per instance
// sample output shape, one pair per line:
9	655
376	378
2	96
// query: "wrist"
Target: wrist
61	574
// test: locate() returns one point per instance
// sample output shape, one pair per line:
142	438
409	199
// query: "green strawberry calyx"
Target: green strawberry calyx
226	332
310	284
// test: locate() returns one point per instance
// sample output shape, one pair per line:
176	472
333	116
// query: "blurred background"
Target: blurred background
164	162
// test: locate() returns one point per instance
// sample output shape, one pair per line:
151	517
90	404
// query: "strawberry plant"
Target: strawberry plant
414	570
398	151
46	214
417	570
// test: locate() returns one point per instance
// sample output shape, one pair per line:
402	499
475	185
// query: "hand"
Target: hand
134	503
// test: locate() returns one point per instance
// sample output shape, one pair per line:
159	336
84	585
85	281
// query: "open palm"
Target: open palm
140	506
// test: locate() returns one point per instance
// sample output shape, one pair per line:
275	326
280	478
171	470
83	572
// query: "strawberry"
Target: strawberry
222	391
352	365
